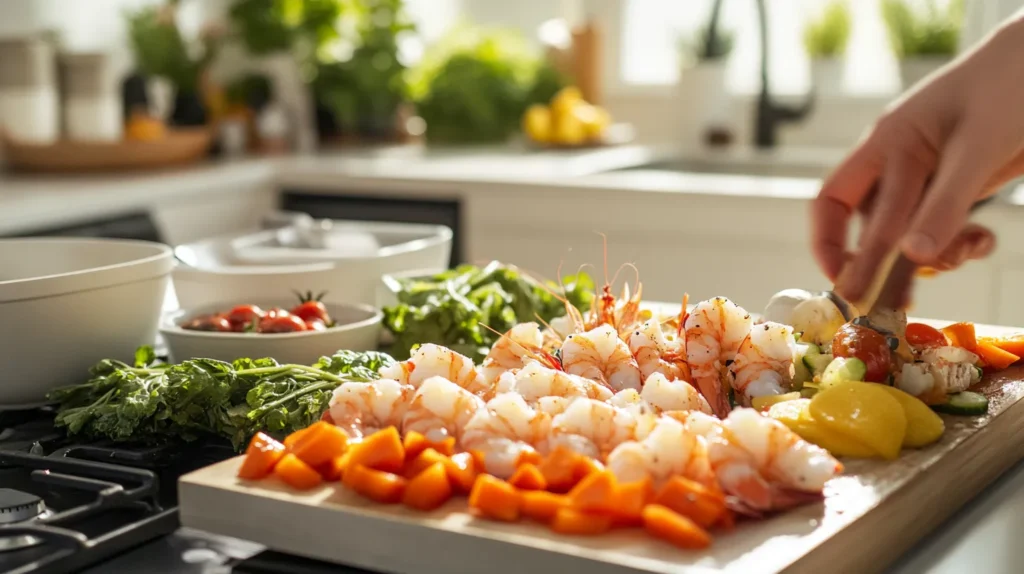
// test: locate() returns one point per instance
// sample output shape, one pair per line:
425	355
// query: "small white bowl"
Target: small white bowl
357	328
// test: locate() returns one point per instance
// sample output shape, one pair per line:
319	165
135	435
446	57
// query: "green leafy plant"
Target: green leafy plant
160	50
928	30
271	26
828	36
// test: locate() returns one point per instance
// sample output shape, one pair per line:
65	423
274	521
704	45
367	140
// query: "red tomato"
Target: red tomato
281	324
244	315
921	335
315	325
867	345
312	311
208	323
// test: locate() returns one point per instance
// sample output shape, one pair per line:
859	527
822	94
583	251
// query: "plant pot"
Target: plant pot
291	90
913	70
707	101
189	109
827	76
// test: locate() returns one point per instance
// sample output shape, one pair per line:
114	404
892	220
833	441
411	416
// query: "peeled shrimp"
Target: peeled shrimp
764	362
665	395
440	409
714	330
592	428
436	361
503	430
513	350
536	381
656	353
630	401
602	356
364	408
764	464
669	450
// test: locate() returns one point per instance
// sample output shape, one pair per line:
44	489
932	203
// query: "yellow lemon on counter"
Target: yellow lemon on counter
565	100
595	120
537	123
796	416
864	412
568	130
923	426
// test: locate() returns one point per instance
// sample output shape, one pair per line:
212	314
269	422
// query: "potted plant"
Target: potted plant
704	78
825	39
923	38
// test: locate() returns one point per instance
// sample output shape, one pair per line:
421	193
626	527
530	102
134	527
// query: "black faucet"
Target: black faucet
770	114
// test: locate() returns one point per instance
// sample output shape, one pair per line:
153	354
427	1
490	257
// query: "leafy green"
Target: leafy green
270	26
467	308
931	31
828	36
160	49
152	402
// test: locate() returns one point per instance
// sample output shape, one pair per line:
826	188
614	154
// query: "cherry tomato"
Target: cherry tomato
311	311
244	315
281	324
316	325
924	336
208	323
867	345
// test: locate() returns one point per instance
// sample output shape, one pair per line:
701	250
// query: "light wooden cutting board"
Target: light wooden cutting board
871	514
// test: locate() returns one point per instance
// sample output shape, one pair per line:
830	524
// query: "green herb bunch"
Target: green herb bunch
160	50
829	34
930	30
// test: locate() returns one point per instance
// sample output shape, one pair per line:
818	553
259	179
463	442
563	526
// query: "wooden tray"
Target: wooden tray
871	514
178	147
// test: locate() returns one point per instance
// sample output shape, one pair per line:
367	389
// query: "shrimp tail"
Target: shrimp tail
714	391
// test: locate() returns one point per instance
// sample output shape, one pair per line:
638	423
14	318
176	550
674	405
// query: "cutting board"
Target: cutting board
871	514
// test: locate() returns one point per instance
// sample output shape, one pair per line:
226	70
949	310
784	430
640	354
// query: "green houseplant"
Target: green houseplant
923	37
705	55
826	38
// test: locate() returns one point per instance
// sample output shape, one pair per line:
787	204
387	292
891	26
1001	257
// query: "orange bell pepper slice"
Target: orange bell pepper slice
377	485
994	356
429	489
541	505
1011	344
320	443
494	498
662	522
296	473
573	521
528	477
961	335
382	450
691	499
261	456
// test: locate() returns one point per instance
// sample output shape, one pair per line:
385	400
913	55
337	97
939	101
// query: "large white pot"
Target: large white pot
827	76
913	70
706	100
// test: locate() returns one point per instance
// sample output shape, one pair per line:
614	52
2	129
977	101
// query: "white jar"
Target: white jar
29	105
92	106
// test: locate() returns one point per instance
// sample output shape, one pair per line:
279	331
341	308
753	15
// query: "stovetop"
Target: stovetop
100	507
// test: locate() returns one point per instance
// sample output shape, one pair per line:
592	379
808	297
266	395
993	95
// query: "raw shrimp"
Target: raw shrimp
714	330
656	353
665	395
764	362
602	356
513	350
440	409
436	361
669	450
764	464
591	427
503	430
364	408
536	381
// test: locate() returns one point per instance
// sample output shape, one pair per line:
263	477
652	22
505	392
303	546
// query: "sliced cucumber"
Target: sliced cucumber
843	369
801	373
808	392
815	360
965	403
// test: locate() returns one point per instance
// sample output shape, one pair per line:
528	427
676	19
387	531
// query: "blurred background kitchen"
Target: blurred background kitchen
693	134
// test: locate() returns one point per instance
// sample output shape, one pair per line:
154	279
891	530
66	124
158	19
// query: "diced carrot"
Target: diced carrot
290	440
995	357
666	524
462	471
424	460
380	451
296	473
321	443
585	466
527	477
961	335
573	521
377	485
691	499
261	456
529	457
333	469
631	500
494	498
445	447
1011	344
480	457
429	489
559	468
414	443
541	505
727	521
598	492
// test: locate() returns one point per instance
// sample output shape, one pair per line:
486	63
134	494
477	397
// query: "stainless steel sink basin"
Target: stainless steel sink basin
751	167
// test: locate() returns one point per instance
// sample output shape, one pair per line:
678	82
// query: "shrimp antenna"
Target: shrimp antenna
604	242
630	266
526	350
683	314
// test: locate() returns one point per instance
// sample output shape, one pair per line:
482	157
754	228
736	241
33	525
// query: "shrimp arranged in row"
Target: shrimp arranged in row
436	361
668	450
714	331
536	381
440	409
656	353
513	350
361	409
592	428
764	362
505	429
600	355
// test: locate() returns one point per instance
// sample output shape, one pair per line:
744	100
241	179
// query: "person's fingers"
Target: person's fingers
973	242
841	194
900	189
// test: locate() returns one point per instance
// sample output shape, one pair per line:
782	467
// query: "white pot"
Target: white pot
913	70
705	98
827	76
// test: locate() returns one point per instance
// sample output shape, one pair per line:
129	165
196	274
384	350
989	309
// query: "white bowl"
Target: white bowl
257	267
357	328
66	304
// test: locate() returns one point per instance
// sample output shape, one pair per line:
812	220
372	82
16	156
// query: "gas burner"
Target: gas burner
19	507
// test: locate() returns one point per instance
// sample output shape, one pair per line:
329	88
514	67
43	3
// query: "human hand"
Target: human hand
953	140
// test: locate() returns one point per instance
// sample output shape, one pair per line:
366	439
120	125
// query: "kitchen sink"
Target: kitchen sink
759	168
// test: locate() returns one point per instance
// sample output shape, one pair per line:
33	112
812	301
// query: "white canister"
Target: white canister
92	106
29	105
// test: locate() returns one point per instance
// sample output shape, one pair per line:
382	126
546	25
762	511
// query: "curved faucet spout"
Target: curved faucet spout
770	114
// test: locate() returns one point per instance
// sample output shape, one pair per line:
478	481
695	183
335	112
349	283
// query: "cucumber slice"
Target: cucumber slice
815	360
801	372
808	392
965	403
843	369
